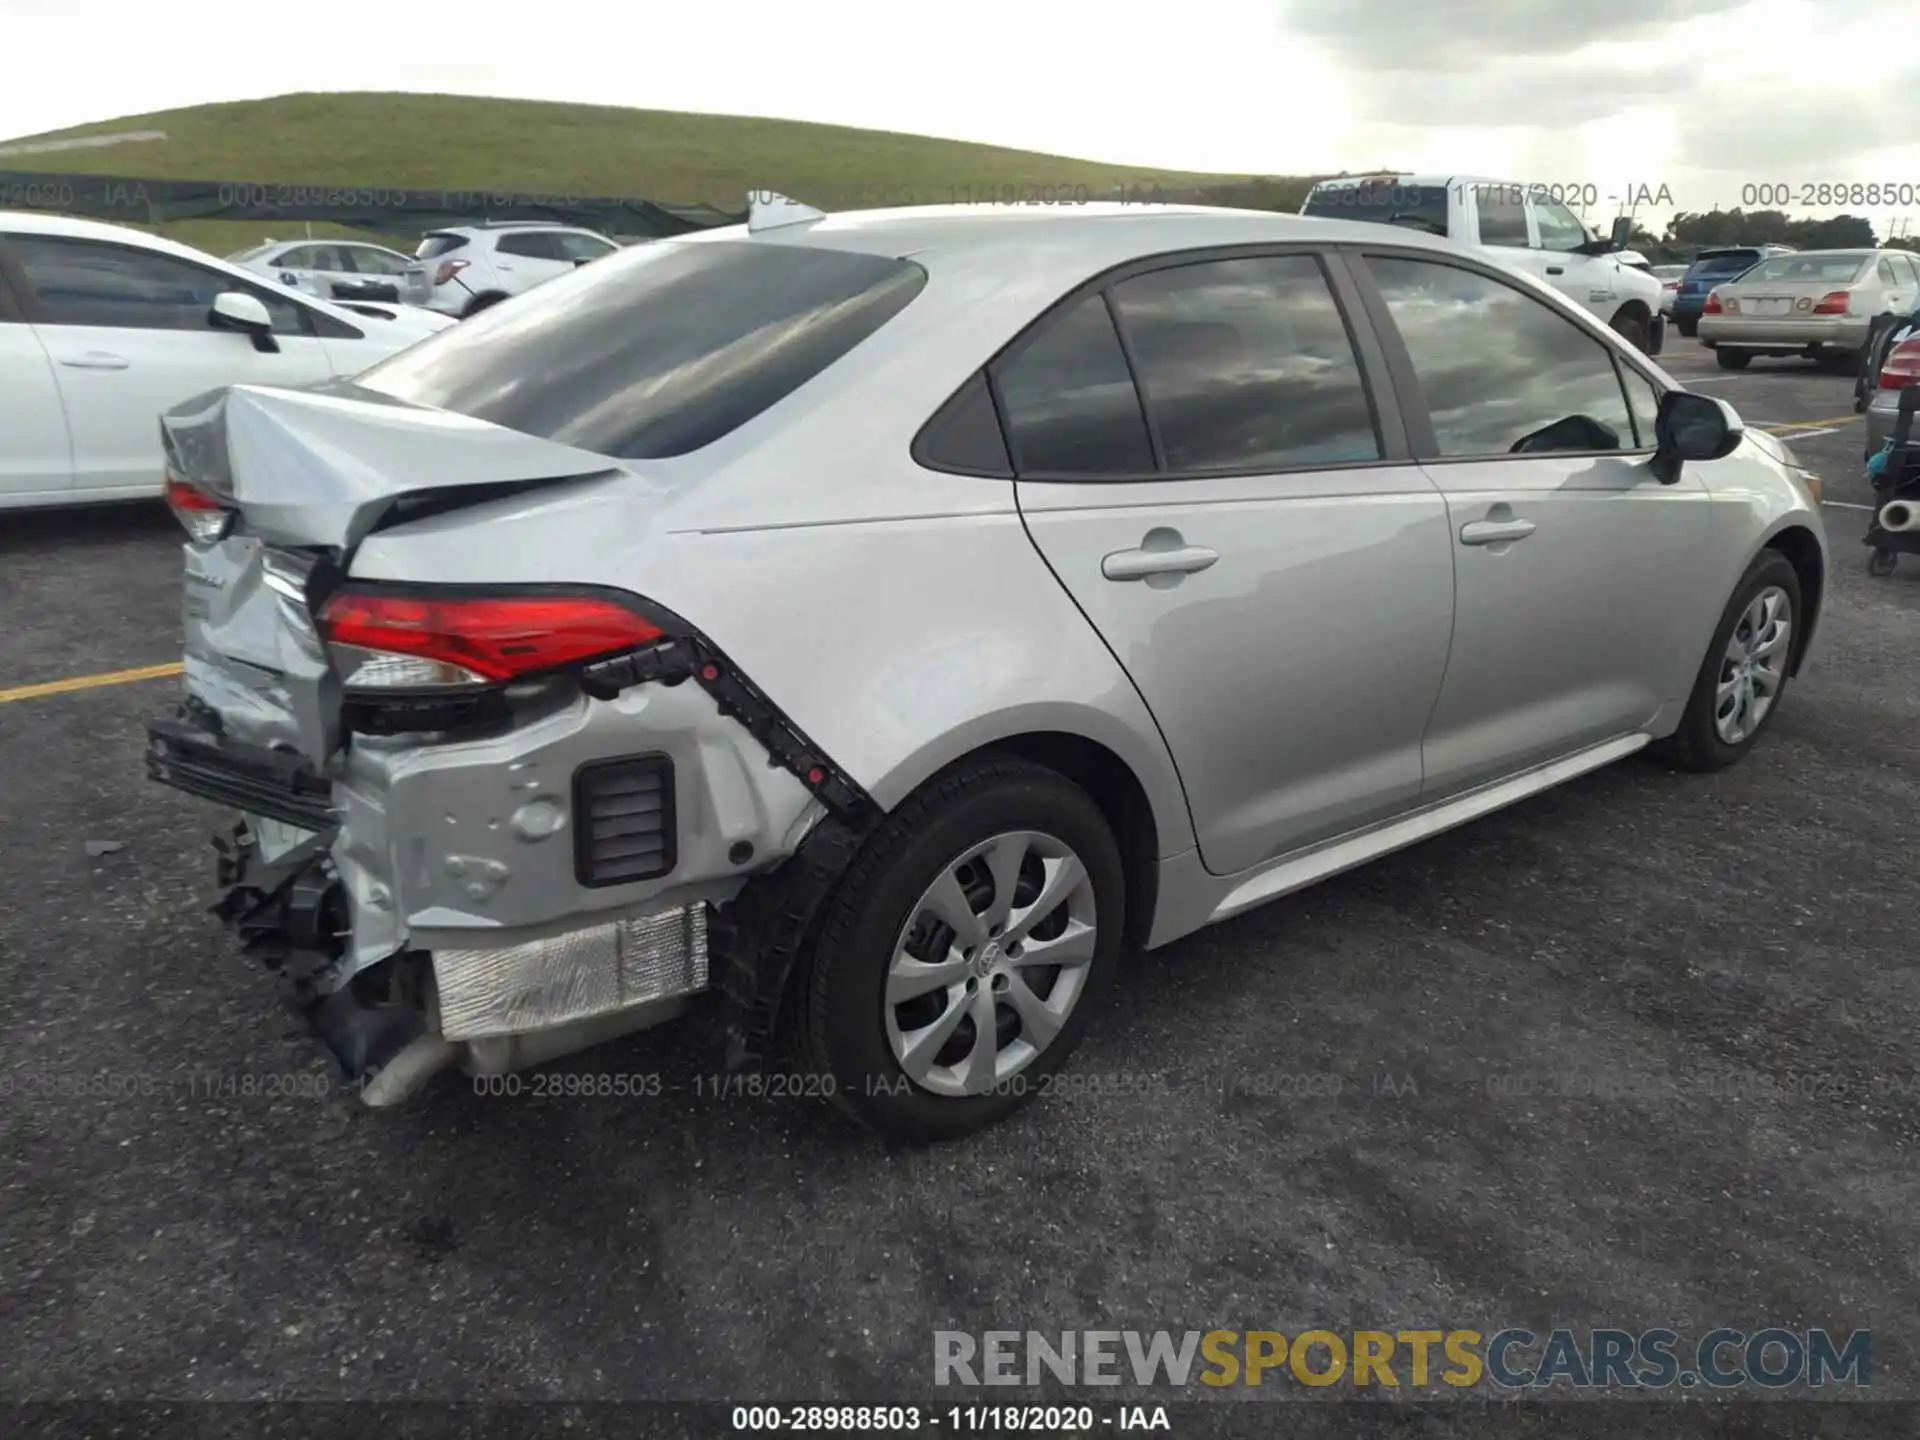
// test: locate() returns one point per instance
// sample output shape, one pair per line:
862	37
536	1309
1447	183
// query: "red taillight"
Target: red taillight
1834	302
473	640
1712	307
448	269
1901	368
204	518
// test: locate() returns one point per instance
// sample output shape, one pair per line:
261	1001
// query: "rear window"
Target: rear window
1809	269
1728	262
1421	207
658	350
434	246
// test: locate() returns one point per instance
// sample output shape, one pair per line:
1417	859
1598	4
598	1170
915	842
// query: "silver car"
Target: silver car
1817	303
869	627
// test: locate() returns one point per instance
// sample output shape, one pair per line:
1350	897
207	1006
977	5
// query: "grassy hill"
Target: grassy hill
456	142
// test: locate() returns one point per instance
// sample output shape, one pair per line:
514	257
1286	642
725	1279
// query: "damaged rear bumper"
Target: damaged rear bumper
448	897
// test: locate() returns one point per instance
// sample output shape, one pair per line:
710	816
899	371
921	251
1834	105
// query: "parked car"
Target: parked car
1521	226
1669	277
464	270
1900	369
1711	268
1817	303
585	661
331	269
102	328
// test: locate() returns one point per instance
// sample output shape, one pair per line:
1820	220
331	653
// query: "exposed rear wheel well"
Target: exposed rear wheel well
1803	553
1113	787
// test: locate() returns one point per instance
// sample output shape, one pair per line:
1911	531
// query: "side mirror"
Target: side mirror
1622	233
1692	427
237	310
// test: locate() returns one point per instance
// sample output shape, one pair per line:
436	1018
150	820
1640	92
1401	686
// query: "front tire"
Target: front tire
963	950
1740	686
1632	329
1733	359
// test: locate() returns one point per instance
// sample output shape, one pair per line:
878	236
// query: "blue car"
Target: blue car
1711	268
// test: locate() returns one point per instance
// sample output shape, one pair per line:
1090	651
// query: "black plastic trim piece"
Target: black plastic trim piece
243	777
583	860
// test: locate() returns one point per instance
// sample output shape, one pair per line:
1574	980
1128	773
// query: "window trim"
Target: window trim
251	284
13	309
1413	406
1370	358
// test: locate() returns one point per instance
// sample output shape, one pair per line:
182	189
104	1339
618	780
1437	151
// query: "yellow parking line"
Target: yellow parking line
88	682
1808	424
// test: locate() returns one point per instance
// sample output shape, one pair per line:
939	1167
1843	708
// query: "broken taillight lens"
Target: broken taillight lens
448	269
419	639
1713	305
205	519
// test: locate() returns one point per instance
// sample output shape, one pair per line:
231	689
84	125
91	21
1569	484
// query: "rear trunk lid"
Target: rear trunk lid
1791	286
309	475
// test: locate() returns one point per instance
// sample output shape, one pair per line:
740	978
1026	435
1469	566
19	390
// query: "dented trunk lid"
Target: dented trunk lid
310	474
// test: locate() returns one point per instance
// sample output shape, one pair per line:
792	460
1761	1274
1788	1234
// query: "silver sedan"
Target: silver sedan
872	626
1816	303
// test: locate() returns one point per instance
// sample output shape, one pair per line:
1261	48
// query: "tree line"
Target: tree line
1690	232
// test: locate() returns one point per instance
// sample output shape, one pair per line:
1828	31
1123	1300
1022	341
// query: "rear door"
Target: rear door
129	335
36	458
1244	529
1581	604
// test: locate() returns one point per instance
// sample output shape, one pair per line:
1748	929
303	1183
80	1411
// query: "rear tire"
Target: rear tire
1881	563
1733	359
1766	594
479	303
1687	328
985	832
1632	329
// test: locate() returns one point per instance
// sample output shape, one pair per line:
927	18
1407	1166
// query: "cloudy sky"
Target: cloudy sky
1703	97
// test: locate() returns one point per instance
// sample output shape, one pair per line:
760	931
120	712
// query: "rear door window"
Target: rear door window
1246	365
434	246
1069	399
659	350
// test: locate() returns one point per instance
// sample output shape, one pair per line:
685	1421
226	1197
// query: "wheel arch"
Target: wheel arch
1803	551
1637	308
485	300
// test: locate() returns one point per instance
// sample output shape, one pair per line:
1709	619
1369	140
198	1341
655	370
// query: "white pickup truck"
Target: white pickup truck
1520	225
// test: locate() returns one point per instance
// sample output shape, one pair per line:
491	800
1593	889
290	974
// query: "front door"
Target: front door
1578	575
129	335
1275	580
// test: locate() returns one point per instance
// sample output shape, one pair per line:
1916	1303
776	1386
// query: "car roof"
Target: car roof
1078	238
1337	181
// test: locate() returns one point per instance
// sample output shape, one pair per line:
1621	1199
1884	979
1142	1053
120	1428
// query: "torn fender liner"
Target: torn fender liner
755	944
322	467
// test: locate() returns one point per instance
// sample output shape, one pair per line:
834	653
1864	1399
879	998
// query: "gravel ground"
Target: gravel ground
1728	949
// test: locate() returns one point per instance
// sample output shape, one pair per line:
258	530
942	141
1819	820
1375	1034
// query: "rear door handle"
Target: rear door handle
95	360
1142	563
1556	269
1494	532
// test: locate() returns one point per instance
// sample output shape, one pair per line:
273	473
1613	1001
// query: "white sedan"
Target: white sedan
102	328
331	269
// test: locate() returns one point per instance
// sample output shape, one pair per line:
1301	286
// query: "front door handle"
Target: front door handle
1556	269
1494	532
95	360
1163	552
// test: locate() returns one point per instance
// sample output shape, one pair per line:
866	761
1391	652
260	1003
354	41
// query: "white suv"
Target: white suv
463	270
